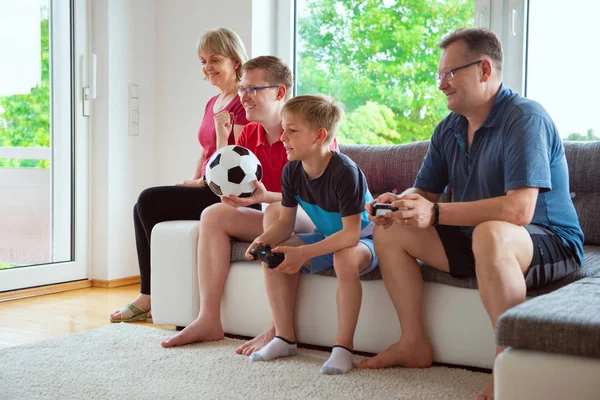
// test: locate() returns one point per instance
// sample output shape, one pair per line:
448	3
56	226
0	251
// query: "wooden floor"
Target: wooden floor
56	315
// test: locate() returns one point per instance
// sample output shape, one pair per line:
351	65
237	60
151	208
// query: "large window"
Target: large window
562	56
43	142
379	58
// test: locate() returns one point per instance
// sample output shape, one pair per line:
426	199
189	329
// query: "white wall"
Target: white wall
151	43
181	92
123	37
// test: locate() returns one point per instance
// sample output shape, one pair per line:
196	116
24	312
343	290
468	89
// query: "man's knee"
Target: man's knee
272	213
395	236
216	213
488	237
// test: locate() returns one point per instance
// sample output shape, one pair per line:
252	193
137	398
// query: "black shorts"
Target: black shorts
552	260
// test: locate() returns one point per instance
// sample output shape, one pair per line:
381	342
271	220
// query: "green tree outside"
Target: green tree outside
583	138
379	58
25	119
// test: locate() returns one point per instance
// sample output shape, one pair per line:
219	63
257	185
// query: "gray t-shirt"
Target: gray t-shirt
517	146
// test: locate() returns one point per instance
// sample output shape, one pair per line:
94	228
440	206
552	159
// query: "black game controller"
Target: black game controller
381	209
264	253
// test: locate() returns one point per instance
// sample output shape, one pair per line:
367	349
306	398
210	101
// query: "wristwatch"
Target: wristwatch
436	214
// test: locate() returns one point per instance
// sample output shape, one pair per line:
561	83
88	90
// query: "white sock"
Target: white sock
276	348
340	361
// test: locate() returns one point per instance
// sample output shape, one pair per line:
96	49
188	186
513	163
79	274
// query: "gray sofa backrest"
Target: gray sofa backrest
394	168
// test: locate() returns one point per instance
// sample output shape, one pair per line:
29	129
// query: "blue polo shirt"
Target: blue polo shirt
517	146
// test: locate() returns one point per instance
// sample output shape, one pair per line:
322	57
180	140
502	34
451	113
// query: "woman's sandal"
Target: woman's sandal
130	313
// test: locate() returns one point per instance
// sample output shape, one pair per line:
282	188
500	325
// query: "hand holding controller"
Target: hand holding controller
381	209
264	253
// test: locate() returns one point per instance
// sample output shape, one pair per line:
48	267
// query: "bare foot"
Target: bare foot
487	393
257	343
142	301
201	330
402	354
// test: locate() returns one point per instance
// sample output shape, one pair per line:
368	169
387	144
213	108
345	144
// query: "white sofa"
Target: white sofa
455	319
537	366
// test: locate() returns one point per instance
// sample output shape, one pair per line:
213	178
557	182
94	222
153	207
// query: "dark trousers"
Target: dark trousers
165	203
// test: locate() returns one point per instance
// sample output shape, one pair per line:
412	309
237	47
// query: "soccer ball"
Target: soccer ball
231	170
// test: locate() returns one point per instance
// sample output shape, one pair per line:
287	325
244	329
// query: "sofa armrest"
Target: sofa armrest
564	321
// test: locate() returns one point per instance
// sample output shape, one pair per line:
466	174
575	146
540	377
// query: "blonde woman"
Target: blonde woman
222	54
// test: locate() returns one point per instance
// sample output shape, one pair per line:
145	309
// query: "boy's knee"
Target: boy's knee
347	262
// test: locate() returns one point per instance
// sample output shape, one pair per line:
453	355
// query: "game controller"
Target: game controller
381	209
264	253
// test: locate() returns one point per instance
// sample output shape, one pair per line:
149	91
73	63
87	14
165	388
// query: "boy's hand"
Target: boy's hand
257	242
294	258
257	197
384	221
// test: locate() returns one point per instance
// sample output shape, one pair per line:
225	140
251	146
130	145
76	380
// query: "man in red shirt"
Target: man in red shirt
266	84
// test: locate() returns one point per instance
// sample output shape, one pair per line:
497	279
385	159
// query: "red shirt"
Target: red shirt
272	156
207	134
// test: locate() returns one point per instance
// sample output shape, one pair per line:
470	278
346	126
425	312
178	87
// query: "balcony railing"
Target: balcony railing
25	209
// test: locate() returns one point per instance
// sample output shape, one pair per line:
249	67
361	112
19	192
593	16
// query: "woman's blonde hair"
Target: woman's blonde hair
226	43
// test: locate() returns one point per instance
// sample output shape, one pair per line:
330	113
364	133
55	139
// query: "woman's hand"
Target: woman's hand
197	183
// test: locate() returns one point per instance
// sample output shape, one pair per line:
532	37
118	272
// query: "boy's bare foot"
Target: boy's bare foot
257	343
403	354
201	330
142	301
487	393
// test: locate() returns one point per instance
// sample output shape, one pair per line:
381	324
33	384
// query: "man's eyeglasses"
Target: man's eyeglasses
449	74
251	91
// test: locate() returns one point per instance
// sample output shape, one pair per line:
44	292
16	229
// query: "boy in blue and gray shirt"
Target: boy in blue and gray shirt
333	191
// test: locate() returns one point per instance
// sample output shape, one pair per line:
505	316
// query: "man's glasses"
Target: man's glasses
449	74
251	91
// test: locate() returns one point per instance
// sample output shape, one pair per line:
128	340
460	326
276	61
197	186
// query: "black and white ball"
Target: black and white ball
231	170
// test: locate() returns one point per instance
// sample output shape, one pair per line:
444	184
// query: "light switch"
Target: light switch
134	91
134	110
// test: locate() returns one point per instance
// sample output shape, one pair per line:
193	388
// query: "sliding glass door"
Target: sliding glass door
43	142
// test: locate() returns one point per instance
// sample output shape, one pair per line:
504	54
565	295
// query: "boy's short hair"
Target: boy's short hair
226	43
318	111
276	71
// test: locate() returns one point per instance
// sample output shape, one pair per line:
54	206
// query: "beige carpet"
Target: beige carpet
125	361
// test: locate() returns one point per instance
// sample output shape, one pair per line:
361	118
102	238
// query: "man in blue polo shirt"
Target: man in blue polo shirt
511	222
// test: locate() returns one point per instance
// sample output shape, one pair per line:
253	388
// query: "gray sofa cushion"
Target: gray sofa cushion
564	321
394	169
591	269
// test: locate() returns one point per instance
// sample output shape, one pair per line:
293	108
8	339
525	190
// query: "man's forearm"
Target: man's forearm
272	197
433	197
473	213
